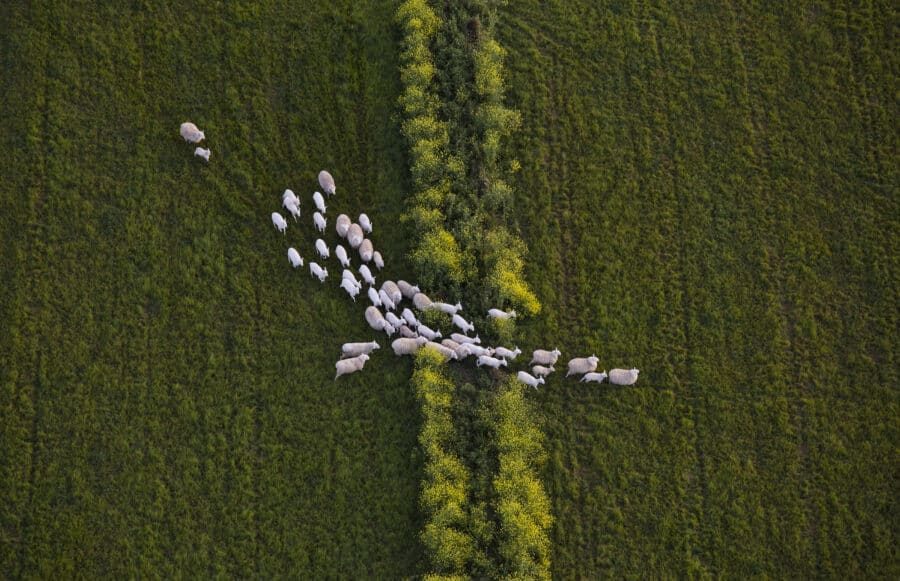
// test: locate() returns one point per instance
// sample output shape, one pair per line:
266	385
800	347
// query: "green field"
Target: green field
708	191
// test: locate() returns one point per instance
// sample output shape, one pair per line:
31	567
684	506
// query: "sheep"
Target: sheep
366	250
342	224
318	271
319	221
289	197
376	258
410	318
491	362
352	365
204	153
502	315
319	201
354	236
279	222
465	338
367	275
365	223
541	371
389	329
386	301
581	365
350	288
446	352
294	209
373	296
408	290
393	319
322	249
421	301
463	351
354	349
544	357
348	276
326	182
426	331
407	332
477	350
529	379
504	352
623	376
407	346
190	132
447	308
294	257
341	253
393	291
596	377
450	343
464	325
375	319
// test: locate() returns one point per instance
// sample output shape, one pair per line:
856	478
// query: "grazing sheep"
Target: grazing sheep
446	352
410	318
407	346
491	362
596	377
393	291
294	257
352	365
502	315
319	221
426	331
373	296
318	271
447	308
341	253
623	376
541	371
350	288
365	223
375	319
366	250
355	236
348	275
421	301
376	258
408	290
354	349
326	182
190	132
367	275
279	222
465	338
342	224
529	379
463	325
504	352
322	249
386	301
581	365
543	357
204	153
293	208
319	202
407	332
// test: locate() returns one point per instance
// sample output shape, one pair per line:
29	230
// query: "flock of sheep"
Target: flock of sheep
398	319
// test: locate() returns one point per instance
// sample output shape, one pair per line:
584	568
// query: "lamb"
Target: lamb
623	376
294	209
373	296
393	291
421	301
476	350
375	319
581	365
326	182
502	315
204	153
354	236
376	258
294	257
190	132
529	379
406	346
348	276
393	319
389	329
446	352
491	362
464	325
342	224
289	197
354	349
463	351
465	338
446	308
450	343
426	331
318	271
407	332
322	249
504	352
367	275
386	301
596	377
319	221
366	250
410	318
365	223
352	365
545	357
541	371
319	202
350	288
408	290
279	222
341	253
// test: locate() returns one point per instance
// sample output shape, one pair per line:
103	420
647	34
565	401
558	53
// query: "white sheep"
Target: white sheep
319	201
581	365
408	290
502	315
477	350
350	288
393	319
294	257
279	222
463	325
463	351
410	318
354	236
529	379
543	357
365	223
376	258
426	331
348	275
342	224
491	362
190	132
354	349
623	376
373	297
389	329
204	153
407	332
319	221
595	377
293	208
393	291
445	352
541	371
318	272
289	197
421	301
465	338
322	249
367	275
504	352
447	308
366	250
352	365
375	319
450	343
407	346
386	301
326	182
341	253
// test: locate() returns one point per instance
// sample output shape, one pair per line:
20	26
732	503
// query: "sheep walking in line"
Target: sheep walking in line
427	332
376	258
408	290
366	250
491	362
543	357
421	301
279	222
623	376
294	257
595	377
365	223
374	298
319	221
447	308
529	379
341	253
322	249
326	182
476	350
352	365
354	349
404	346
502	315
318	272
541	371
386	300
319	201
348	275
459	338
190	133
582	365
367	275
450	343
350	288
393	291
204	153
342	224
463	325
507	354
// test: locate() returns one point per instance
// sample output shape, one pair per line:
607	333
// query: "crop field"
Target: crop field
708	192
